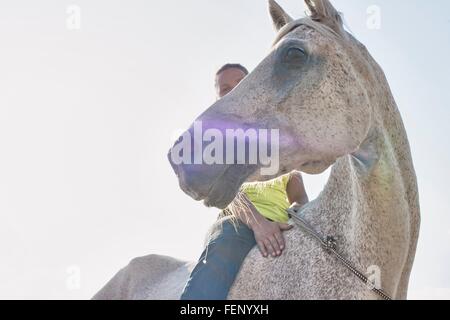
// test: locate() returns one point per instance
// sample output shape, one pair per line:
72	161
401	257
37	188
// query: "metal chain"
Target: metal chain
329	244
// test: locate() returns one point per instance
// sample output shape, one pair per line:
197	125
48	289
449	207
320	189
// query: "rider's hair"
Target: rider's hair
232	66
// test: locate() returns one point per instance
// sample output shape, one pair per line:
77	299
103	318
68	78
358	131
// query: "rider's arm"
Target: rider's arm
296	190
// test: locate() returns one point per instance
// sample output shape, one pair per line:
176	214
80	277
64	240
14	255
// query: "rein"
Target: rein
329	244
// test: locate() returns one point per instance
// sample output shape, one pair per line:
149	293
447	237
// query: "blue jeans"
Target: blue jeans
220	263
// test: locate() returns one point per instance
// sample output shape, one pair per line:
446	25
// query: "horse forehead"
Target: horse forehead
294	26
301	32
344	50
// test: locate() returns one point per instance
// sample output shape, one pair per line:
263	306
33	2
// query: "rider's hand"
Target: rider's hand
269	237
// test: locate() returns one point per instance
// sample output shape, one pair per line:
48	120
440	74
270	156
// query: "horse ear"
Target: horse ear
324	12
279	16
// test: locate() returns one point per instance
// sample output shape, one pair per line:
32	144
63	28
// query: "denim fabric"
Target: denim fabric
220	263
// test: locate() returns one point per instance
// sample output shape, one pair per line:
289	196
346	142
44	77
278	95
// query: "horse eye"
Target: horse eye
295	55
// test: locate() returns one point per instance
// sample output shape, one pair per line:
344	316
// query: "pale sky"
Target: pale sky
87	117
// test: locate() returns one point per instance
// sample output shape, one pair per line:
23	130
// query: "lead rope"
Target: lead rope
329	244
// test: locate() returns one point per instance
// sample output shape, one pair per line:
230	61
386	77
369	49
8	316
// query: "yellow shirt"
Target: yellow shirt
270	197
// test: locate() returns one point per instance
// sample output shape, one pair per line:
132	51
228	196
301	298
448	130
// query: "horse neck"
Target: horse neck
370	201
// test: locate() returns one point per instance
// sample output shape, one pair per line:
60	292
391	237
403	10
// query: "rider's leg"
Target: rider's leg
220	263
